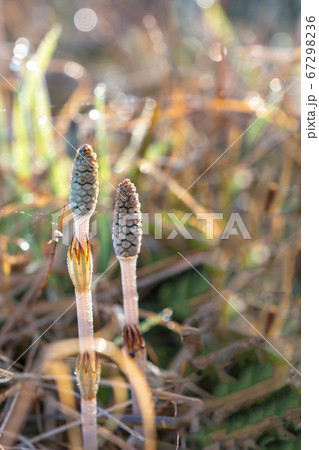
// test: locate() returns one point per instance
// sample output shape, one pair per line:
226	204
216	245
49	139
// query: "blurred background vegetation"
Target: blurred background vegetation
160	89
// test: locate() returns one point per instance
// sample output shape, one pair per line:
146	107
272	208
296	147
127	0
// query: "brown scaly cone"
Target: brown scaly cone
127	222
84	187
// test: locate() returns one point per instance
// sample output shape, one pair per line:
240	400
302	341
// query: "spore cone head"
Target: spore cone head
127	222
84	186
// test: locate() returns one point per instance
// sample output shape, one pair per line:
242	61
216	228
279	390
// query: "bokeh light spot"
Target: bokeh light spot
20	51
100	91
32	65
74	70
24	246
85	19
281	40
275	85
205	3
94	114
28	198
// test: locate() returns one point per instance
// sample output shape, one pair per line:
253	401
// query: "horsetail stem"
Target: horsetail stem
127	237
83	197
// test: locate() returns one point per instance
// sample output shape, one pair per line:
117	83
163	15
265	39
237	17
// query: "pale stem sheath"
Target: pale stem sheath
84	299
131	316
89	424
85	321
129	287
82	227
84	307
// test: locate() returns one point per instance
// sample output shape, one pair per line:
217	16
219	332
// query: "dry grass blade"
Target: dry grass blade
140	386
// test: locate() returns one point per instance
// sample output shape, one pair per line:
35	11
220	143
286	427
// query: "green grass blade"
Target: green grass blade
24	107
